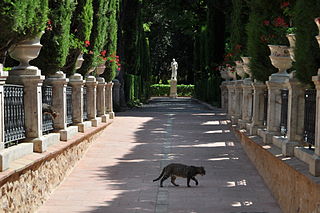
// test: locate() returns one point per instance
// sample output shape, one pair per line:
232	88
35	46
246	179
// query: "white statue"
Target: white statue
174	68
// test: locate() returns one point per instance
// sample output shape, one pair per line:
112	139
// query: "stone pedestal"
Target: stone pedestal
224	95
173	88
246	103
109	104
231	98
59	103
91	84
275	84
3	78
77	83
314	166
295	116
101	99
237	100
116	94
258	108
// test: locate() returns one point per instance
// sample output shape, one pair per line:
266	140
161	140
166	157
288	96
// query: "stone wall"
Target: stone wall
287	178
25	190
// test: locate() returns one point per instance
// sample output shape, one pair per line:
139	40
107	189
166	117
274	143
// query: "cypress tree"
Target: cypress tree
97	37
55	41
111	41
81	26
307	53
258	50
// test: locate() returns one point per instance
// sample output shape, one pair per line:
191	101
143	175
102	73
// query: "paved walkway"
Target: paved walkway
116	174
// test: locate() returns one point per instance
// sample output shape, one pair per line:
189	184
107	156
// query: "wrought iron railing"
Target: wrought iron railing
310	116
284	112
47	118
85	104
14	128
265	111
69	105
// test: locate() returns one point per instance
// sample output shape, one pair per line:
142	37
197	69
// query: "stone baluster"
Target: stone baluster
116	94
231	97
246	103
101	99
3	78
91	84
77	83
237	102
109	104
314	165
258	108
295	129
224	95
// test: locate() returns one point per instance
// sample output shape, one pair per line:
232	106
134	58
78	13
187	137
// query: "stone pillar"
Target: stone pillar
224	95
59	101
296	107
101	99
32	82
275	84
246	103
77	82
314	165
231	95
3	78
109	104
116	94
173	88
91	84
237	100
258	108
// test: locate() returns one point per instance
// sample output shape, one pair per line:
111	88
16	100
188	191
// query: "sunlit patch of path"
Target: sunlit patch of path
116	173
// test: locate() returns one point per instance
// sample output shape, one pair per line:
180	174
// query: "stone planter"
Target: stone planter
292	41
317	21
239	69
100	69
280	58
79	61
246	68
25	51
224	75
232	74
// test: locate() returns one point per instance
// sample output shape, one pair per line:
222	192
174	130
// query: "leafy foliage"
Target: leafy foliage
81	25
307	53
55	41
97	36
21	19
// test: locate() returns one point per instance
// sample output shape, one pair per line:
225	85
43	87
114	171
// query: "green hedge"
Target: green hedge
164	90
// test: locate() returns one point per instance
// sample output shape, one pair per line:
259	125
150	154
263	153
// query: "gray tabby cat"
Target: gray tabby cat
175	170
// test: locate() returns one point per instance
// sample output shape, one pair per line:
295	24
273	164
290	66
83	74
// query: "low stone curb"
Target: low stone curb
31	179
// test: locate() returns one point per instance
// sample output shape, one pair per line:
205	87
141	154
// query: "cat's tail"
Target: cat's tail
158	178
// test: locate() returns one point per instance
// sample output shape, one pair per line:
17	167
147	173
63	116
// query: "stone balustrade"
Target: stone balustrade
250	116
99	105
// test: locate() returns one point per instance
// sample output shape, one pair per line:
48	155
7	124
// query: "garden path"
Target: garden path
115	175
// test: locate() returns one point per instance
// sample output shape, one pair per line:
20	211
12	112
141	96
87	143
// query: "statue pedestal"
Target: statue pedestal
173	89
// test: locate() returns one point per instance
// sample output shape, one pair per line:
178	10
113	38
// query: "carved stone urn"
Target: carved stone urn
317	21
280	58
239	69
232	73
292	42
79	61
25	51
224	75
100	69
246	68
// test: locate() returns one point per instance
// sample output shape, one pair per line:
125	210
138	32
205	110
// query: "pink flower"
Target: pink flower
86	43
266	22
285	4
280	22
103	53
